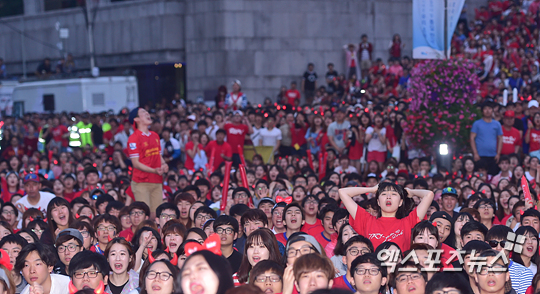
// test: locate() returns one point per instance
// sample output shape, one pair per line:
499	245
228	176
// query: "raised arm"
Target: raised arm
425	203
346	194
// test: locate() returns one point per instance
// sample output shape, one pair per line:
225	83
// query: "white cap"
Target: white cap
239	112
191	117
237	82
533	103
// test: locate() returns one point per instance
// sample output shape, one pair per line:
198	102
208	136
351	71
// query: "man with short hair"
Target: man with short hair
241	195
148	164
36	261
313	272
293	218
13	244
448	200
105	226
356	246
493	275
138	212
511	135
34	197
88	270
473	230
337	131
166	212
293	95
236	133
227	229
521	277
531	217
271	136
252	220
486	139
309	83
504	166
325	215
312	225
223	150
68	243
472	250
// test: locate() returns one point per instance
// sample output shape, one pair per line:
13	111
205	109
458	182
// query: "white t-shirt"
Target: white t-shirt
44	199
375	144
270	138
256	136
350	169
59	285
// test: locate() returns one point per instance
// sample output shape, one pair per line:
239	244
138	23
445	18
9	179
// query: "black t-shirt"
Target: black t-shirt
235	260
97	135
330	75
42	68
117	289
309	80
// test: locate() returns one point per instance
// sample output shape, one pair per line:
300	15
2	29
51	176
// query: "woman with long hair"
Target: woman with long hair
11	186
316	135
468	168
261	244
461	219
345	233
159	278
528	257
59	218
504	212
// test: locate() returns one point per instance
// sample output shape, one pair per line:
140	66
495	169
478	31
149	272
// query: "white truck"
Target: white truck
77	95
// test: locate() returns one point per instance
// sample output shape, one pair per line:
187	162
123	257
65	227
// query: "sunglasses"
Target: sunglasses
494	243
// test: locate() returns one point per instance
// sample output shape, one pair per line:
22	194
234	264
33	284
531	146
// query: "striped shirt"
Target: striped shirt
521	277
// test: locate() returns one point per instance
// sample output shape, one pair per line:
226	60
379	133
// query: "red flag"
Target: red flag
225	190
525	188
241	154
310	160
243	175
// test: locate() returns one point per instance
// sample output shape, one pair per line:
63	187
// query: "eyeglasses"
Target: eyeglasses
8	212
303	250
311	202
164	276
272	278
227	231
168	216
203	217
105	229
85	234
494	243
241	195
124	217
70	248
496	269
90	274
485	206
356	251
370	271
37	231
403	278
137	213
453	291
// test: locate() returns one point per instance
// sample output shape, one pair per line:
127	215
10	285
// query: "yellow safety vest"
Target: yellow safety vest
86	133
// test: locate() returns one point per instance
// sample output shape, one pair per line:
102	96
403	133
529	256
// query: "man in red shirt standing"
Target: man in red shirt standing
144	149
511	136
223	149
236	133
293	95
60	135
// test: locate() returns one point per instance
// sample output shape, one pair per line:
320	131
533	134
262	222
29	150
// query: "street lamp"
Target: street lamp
443	149
445	156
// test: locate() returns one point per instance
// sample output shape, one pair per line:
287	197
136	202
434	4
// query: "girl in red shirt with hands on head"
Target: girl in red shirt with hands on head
395	219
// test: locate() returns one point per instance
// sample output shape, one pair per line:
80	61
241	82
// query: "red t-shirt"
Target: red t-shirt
312	229
534	137
224	149
31	145
383	229
189	164
342	283
148	149
236	135
321	239
292	95
282	238
510	141
127	234
57	134
69	196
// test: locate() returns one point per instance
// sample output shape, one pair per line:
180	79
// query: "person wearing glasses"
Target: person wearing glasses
121	258
166	212
313	272
494	275
36	261
268	276
409	278
227	229
467	268
202	214
486	208
521	277
88	269
138	212
356	246
68	243
87	231
159	278
369	276
105	226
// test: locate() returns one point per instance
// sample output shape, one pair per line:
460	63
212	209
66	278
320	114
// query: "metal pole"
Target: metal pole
90	35
23	51
445	29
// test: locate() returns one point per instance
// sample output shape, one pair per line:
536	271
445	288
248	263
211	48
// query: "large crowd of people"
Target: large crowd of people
318	190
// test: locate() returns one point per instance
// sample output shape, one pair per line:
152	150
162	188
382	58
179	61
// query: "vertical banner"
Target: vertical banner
428	27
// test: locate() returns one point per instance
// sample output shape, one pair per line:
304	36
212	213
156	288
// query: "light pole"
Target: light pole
90	11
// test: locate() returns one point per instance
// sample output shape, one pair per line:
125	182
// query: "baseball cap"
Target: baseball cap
440	214
238	112
31	178
71	232
70	175
304	237
237	82
533	103
191	117
133	114
509	113
372	175
449	191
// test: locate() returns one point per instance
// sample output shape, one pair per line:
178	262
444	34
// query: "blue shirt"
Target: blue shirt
520	276
486	137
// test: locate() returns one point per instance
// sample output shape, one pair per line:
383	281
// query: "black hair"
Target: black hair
473	225
104	198
404	209
372	259
172	268
197	231
114	205
167	205
253	215
523	231
443	280
263	266
193	188
422	226
79	200
357	239
204	209
226	220
29	232
309	196
498	233
326	209
339	214
238	209
12	206
387	245
531	212
13	239
327	201
137	236
45	252
86	259
289	206
219	265
240	189
139	205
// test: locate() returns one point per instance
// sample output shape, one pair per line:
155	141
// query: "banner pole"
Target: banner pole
445	29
